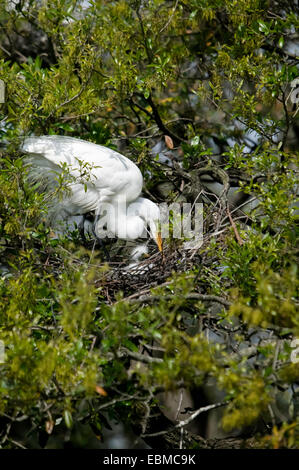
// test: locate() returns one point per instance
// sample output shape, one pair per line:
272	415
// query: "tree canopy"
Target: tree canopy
201	95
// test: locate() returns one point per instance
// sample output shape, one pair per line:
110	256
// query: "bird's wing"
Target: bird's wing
101	173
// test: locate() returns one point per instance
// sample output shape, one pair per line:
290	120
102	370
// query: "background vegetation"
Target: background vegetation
198	93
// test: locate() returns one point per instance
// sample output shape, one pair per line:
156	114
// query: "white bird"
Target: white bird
98	179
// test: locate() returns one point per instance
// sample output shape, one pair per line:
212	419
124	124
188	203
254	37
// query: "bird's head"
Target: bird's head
148	214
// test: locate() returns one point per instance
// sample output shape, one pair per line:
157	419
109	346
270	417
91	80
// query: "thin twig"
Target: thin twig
187	421
191	296
141	357
239	239
170	18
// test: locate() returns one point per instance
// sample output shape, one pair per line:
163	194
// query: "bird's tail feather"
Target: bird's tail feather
42	172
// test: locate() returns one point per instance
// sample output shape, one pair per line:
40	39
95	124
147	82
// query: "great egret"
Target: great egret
99	179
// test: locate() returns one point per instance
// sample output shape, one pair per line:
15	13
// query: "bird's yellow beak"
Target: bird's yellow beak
159	241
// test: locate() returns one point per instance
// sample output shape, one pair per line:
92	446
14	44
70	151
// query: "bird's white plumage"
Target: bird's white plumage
102	180
111	174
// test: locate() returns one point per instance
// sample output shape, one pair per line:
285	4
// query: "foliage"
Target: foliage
204	78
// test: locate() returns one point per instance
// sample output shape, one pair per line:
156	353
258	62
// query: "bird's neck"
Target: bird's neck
115	218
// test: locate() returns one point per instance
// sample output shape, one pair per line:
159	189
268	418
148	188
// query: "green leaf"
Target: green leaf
195	141
281	42
263	28
68	419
